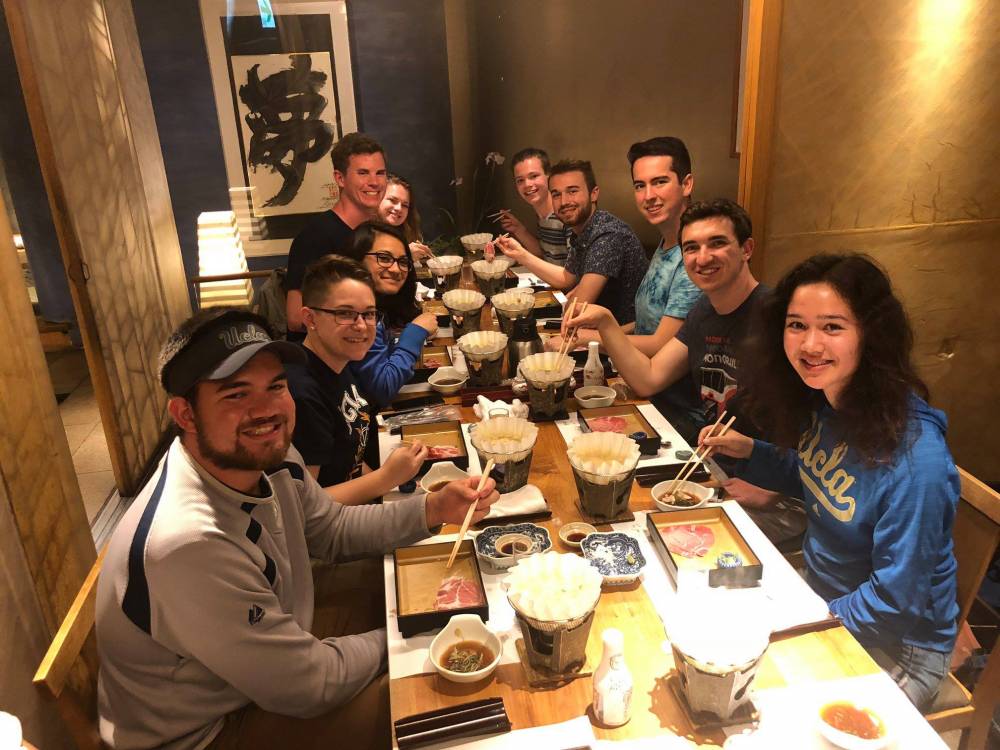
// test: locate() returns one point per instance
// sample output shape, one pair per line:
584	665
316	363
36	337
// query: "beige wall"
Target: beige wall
886	140
587	78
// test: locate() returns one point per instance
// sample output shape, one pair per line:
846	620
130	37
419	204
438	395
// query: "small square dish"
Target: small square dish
432	358
615	554
626	420
445	440
486	543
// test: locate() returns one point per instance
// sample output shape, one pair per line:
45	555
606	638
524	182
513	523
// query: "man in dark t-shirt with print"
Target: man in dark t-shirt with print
716	245
359	169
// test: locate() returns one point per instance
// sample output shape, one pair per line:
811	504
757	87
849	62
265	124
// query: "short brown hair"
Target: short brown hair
531	153
575	165
720	207
326	272
350	145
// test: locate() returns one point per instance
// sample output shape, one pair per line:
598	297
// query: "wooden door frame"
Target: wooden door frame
760	90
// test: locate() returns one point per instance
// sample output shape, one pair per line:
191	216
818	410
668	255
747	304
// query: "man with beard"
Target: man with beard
205	604
531	167
606	261
360	173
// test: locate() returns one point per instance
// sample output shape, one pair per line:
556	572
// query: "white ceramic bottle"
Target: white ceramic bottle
593	371
613	682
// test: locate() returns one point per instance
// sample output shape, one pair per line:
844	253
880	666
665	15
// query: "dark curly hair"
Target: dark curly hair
400	308
873	408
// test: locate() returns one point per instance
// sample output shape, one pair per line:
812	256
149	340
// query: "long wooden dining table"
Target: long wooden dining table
813	656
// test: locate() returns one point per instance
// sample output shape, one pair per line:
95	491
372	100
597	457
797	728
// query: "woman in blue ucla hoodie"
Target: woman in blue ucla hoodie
829	377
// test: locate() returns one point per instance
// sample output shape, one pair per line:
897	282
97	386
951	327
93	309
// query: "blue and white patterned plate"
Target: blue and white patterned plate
615	554
486	542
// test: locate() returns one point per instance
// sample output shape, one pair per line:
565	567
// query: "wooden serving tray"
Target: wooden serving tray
447	433
436	307
546	305
442	354
419	572
688	571
634	422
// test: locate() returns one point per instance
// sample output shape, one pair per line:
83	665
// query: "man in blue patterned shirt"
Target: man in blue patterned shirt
606	261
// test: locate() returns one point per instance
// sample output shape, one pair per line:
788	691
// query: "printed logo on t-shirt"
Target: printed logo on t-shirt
256	614
353	407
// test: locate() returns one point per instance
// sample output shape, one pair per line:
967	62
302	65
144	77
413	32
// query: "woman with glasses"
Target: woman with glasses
397	210
403	328
335	429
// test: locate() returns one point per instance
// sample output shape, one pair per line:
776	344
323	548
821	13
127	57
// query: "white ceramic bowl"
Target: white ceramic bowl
705	493
464	628
576	526
850	741
448	373
594	396
442	471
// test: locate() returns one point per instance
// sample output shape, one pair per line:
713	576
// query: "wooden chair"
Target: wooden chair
75	640
977	535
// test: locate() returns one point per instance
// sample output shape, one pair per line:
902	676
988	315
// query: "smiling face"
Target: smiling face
660	194
387	280
531	181
243	424
713	257
571	200
822	339
364	182
337	344
395	206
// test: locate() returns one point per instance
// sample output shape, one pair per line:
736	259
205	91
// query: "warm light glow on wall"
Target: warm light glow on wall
941	38
220	253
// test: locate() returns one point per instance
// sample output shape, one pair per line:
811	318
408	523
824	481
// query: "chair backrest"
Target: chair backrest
976	534
52	677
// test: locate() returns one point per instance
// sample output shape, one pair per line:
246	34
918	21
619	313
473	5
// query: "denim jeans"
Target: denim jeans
917	671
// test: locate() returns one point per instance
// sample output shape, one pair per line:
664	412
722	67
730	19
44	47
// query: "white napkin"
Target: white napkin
514	409
528	499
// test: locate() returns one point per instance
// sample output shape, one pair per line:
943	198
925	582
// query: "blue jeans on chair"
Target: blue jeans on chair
917	671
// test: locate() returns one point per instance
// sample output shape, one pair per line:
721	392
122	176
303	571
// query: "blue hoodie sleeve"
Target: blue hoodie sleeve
386	369
917	505
772	468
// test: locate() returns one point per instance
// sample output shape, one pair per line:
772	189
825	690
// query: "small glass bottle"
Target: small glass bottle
613	682
593	371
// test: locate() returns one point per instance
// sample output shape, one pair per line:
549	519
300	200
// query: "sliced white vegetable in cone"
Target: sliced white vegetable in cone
553	587
603	457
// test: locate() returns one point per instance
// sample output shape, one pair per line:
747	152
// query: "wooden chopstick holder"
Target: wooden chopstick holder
468	515
478	717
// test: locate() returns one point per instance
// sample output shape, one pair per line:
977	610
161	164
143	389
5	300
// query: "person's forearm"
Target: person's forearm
361	490
631	363
550	273
530	242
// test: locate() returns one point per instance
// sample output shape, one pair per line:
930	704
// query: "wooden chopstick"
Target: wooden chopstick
468	516
673	485
707	450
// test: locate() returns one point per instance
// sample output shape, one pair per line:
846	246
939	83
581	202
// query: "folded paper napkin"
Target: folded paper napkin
522	502
514	409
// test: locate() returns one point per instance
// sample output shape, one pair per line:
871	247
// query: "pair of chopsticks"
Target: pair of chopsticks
698	457
478	717
570	338
498	214
468	516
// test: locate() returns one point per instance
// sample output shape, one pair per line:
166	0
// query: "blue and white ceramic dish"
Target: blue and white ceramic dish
486	540
615	554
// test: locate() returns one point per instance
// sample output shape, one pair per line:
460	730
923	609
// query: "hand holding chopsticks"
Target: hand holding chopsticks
468	516
570	338
701	454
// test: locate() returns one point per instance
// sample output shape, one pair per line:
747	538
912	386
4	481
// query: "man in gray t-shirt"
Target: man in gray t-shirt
531	169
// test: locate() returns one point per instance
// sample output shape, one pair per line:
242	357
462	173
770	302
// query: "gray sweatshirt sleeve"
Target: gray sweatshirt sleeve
337	533
267	657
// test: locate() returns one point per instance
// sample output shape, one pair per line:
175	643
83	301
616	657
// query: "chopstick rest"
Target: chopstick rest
488	716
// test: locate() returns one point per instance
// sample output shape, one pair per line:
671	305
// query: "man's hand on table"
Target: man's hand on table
404	463
451	502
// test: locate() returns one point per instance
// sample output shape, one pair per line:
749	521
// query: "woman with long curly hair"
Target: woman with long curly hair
403	328
829	377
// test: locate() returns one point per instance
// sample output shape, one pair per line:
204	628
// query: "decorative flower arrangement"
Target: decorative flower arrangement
483	186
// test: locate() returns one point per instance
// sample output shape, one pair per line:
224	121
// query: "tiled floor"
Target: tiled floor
84	431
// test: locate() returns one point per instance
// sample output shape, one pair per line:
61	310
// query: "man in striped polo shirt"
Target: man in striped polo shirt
531	178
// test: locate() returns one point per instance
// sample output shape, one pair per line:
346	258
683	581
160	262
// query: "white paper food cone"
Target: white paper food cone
545	368
463	300
603	457
480	345
444	265
553	587
514	302
505	438
475	243
486	270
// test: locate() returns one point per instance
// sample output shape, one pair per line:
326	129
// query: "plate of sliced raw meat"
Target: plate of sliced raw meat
456	592
607	424
689	540
436	452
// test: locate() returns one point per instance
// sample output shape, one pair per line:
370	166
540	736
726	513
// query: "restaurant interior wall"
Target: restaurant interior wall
885	140
585	79
400	68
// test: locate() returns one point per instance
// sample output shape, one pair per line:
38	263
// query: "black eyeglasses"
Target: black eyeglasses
387	259
347	317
